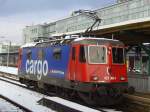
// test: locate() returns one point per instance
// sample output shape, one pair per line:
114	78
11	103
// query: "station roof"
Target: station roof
130	32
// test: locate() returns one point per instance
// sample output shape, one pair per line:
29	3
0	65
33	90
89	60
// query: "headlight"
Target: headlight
122	78
94	78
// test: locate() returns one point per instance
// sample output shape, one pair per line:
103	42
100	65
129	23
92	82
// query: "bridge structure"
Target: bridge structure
126	21
123	18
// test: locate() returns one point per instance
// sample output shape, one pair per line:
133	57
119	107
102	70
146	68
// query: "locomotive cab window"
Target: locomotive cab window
57	54
97	54
29	53
118	55
73	53
82	58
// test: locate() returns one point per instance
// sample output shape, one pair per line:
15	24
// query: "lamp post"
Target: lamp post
1	58
8	51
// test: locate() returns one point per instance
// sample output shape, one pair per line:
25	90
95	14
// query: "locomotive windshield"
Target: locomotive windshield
97	54
118	55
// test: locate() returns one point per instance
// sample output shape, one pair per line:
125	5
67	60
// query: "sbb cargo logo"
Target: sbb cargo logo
37	67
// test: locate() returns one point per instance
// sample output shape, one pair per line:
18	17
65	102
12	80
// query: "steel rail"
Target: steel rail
137	98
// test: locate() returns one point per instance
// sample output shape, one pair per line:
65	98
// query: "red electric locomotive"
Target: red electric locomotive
98	70
93	68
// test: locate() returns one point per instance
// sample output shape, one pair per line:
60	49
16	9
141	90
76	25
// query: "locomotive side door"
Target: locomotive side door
73	64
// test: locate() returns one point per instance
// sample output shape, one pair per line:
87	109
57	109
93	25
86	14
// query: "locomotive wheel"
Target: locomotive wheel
108	96
62	92
87	98
102	98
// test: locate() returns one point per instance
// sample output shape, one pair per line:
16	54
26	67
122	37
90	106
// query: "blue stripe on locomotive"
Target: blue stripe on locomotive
56	68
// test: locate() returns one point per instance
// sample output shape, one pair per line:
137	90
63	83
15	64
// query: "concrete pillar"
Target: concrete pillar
148	64
149	84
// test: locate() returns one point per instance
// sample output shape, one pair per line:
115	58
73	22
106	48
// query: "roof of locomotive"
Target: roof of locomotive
83	40
97	41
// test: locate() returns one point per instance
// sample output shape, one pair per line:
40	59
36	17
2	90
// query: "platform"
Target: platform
140	82
10	70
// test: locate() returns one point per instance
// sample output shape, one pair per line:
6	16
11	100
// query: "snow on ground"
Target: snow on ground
78	106
16	82
72	104
23	97
11	70
8	107
110	110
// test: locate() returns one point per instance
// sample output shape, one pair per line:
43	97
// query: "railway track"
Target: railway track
137	103
42	101
23	108
6	106
45	102
9	76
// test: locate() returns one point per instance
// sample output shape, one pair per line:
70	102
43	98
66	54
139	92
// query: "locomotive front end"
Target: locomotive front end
106	63
104	70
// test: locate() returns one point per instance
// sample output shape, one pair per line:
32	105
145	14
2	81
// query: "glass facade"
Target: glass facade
120	12
125	11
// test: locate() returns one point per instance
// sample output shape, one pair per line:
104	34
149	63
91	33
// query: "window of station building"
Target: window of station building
73	53
131	63
82	57
145	64
35	30
57	53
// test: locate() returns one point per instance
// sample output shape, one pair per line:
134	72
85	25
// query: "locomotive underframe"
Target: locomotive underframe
91	93
76	85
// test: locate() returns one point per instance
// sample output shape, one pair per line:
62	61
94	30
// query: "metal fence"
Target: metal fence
140	82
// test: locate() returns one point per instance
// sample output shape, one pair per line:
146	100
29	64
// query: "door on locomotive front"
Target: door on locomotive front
118	68
78	63
72	73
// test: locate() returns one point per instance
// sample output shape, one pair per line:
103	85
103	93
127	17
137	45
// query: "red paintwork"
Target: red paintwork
19	58
77	71
82	72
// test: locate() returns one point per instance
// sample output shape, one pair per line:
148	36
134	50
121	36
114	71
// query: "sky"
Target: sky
16	14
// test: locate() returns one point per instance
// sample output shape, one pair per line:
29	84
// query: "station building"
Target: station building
8	50
137	61
31	33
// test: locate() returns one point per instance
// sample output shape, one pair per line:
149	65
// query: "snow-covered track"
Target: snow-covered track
9	70
15	103
9	73
22	97
6	106
60	103
56	105
31	100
